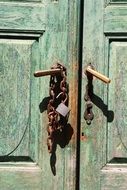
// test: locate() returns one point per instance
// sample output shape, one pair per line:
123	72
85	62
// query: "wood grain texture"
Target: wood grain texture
28	178
60	43
117	142
21	1
93	148
34	104
15	95
119	1
102	139
114	177
23	17
115	19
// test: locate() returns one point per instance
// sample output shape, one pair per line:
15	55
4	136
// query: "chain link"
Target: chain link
58	92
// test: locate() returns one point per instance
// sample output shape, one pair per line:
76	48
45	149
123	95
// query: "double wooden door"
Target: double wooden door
35	34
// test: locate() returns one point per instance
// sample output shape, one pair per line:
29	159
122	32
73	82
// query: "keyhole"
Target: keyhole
88	111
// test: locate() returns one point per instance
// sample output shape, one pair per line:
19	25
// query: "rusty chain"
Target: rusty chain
58	92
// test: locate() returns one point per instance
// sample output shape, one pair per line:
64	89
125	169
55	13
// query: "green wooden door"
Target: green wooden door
103	157
35	34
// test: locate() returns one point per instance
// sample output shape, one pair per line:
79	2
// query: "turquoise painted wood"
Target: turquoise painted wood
103	155
34	35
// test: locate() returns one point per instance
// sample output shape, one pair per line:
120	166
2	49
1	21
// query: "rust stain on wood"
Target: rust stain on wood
73	97
83	137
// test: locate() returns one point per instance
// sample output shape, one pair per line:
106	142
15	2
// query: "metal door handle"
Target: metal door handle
47	72
97	74
90	72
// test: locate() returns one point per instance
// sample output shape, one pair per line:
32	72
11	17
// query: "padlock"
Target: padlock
62	109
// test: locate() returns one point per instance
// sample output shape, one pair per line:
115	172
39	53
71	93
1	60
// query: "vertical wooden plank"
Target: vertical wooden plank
53	44
60	43
34	102
93	146
73	68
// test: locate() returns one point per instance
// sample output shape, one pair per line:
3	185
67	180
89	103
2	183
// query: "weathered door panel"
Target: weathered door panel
34	35
114	172
103	160
117	130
